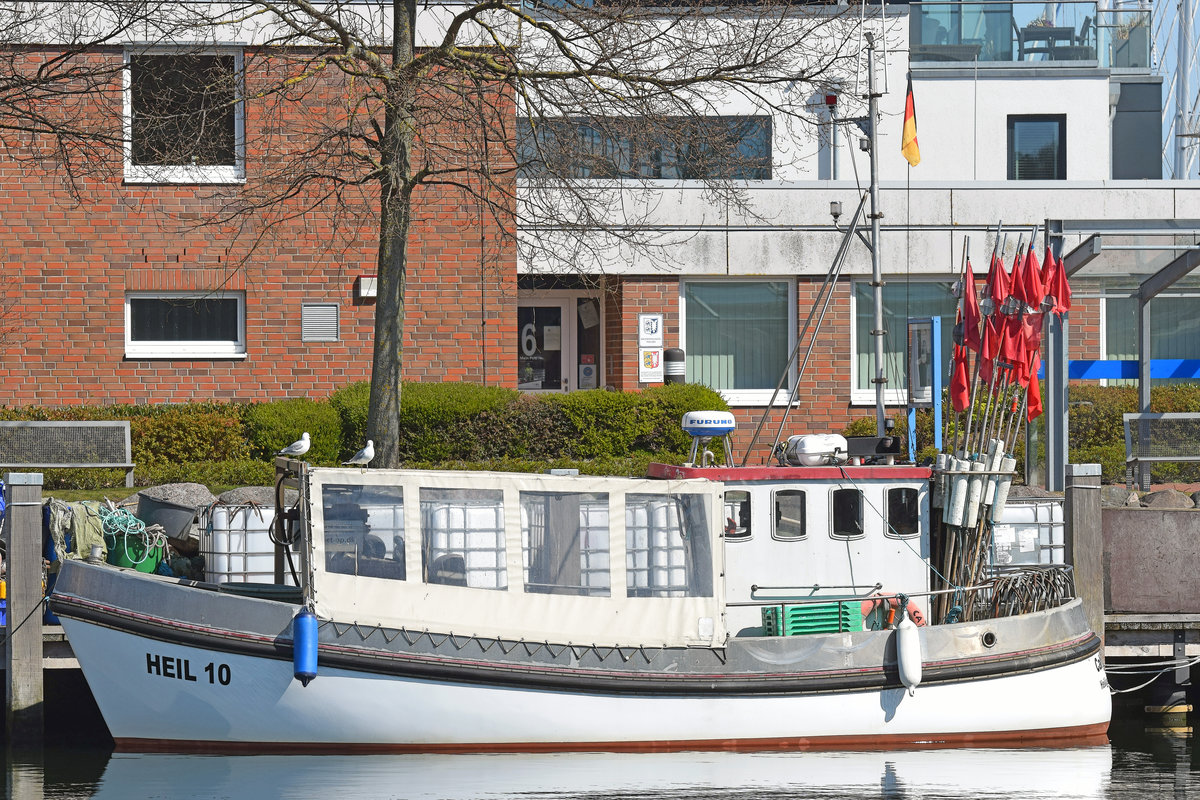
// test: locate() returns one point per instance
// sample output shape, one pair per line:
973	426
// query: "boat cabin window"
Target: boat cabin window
462	537
737	515
668	552
564	538
364	530
903	512
790	514
847	513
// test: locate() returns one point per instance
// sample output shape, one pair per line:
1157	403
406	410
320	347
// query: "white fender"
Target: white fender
908	653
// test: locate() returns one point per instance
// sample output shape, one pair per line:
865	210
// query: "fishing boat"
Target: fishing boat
830	597
706	606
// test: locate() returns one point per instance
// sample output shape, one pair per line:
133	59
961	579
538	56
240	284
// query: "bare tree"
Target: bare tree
552	114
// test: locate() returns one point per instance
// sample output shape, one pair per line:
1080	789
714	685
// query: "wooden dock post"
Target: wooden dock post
25	721
1085	539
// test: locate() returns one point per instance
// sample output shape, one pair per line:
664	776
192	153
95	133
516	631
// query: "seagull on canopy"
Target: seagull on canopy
298	447
362	457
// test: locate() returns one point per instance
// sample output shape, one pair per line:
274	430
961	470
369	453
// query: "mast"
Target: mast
1183	100
877	330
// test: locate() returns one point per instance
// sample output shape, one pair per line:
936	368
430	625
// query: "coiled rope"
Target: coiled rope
120	522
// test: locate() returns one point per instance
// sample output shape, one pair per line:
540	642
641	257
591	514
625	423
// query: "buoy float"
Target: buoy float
304	646
880	611
908	654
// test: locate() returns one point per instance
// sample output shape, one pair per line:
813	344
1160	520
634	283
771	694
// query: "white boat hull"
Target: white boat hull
166	696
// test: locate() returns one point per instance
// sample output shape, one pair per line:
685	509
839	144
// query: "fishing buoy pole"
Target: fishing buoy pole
304	646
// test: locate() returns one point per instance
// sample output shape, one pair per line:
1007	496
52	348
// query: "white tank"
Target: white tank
815	449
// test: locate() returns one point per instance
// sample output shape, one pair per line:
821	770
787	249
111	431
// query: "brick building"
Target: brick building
91	286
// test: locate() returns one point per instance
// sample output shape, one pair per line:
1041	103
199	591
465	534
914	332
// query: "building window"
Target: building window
1174	330
184	117
1037	147
738	335
182	325
901	301
673	148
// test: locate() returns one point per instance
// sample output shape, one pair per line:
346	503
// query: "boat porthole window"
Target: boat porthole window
903	512
988	639
847	513
790	520
737	515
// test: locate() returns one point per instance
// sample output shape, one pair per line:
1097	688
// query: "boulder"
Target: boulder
1118	497
190	495
1167	499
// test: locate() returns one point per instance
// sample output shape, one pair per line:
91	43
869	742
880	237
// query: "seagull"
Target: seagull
298	447
362	457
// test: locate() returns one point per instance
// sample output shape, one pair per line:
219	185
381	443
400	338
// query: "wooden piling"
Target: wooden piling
25	722
1085	539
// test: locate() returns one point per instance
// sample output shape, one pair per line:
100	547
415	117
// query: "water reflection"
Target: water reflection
1073	773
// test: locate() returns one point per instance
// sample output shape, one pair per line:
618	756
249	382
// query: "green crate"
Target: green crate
797	620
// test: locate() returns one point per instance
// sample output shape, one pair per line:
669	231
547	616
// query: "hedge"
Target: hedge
463	425
452	425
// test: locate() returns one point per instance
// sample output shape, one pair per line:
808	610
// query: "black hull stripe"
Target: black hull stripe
554	678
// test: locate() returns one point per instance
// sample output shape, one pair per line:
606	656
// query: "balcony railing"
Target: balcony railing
1031	33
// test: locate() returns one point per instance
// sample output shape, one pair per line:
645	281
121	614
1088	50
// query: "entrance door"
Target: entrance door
558	343
542	346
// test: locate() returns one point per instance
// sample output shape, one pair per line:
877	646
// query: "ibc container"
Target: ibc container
1029	531
236	545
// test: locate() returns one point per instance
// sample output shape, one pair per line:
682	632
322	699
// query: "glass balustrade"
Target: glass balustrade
1031	33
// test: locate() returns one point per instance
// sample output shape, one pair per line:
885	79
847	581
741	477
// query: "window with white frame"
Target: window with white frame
184	117
901	300
185	325
738	335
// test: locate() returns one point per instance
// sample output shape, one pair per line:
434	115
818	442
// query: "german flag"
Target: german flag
908	139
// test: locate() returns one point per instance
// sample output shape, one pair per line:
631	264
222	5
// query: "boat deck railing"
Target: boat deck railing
1009	592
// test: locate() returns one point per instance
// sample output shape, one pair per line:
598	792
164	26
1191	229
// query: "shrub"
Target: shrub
666	405
351	404
179	434
436	419
603	423
270	427
228	472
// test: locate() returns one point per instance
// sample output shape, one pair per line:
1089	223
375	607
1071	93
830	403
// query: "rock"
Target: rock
1118	497
1020	490
189	495
1167	498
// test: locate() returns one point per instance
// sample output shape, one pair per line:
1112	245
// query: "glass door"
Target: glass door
542	346
559	343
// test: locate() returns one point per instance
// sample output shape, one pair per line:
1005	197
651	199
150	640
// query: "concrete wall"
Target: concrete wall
1150	561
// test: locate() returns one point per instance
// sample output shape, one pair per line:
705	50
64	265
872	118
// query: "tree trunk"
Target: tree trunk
395	218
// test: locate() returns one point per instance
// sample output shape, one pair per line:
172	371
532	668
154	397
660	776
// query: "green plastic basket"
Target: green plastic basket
797	620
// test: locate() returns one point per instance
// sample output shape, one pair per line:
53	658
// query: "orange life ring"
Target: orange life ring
881	611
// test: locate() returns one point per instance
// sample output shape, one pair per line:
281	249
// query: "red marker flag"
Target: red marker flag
960	392
997	283
970	311
1033	407
1034	292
